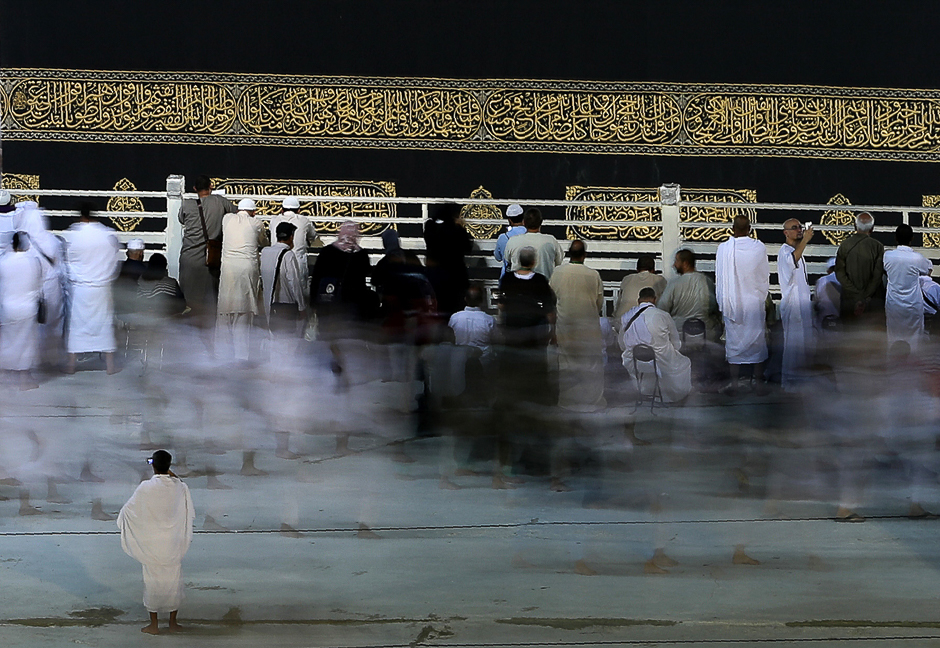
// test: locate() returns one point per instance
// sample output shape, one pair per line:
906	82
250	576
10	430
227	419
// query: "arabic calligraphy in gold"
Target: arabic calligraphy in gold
21	181
482	230
471	115
613	214
720	213
125	204
837	217
314	210
931	220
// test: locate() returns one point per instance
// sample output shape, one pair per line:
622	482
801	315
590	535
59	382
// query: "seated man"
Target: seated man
472	326
646	324
691	295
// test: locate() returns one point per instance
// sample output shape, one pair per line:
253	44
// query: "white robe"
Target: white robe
156	527
656	328
20	288
304	236
94	264
796	312
828	298
49	249
742	282
930	289
904	301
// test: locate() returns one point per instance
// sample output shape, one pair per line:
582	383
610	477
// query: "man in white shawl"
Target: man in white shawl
240	280
646	324
156	527
580	294
796	305
305	237
742	276
94	263
904	300
20	288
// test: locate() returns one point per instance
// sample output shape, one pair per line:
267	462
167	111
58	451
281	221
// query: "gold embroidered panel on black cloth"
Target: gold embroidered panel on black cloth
471	115
720	213
343	188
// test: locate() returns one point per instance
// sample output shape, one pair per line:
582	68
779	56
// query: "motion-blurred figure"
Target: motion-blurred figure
796	306
240	279
20	298
904	300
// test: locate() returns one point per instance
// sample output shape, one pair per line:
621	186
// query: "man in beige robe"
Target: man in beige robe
240	281
580	294
644	277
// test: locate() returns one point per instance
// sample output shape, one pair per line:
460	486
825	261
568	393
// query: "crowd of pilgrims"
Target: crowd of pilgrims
543	362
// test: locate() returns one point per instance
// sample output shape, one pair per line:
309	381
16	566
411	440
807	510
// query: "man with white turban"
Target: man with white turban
156	527
240	280
742	282
305	236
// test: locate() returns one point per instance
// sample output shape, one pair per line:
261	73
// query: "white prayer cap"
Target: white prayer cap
291	202
135	244
218	192
513	210
5	197
246	204
831	263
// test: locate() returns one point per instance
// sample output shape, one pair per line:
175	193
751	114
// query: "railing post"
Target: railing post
669	195
174	230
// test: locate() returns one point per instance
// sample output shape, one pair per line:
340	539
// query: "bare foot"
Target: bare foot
88	476
446	484
466	472
286	454
521	563
660	559
918	512
581	568
559	486
290	532
365	533
28	509
211	525
848	515
150	629
741	558
213	483
500	483
650	567
174	627
251	471
98	513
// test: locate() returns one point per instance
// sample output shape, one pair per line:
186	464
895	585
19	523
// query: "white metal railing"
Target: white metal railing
669	209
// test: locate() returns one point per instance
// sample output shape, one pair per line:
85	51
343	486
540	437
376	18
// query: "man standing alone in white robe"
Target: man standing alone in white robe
796	305
94	263
240	280
904	301
742	282
156	527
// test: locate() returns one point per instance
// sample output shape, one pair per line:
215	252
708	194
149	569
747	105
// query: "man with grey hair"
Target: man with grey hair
860	269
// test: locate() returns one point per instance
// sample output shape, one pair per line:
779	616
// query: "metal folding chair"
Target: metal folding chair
644	363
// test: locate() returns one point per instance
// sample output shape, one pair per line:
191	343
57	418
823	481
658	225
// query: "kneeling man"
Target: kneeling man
156	528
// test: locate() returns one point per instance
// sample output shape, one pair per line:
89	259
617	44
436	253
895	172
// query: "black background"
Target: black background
852	44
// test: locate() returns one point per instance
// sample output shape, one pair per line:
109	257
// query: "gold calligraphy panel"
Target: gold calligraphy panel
21	181
319	209
482	230
471	115
931	220
613	214
837	217
125	204
720	213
